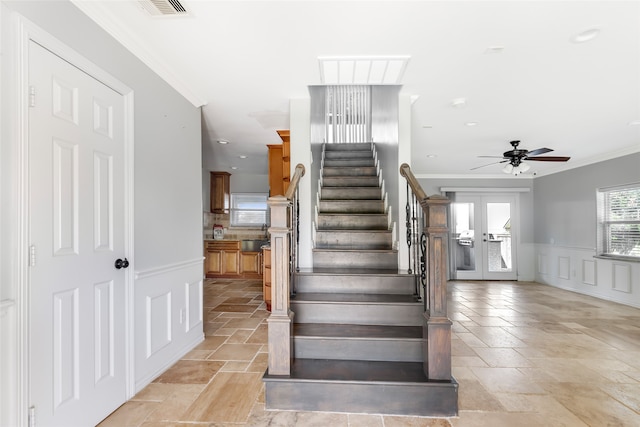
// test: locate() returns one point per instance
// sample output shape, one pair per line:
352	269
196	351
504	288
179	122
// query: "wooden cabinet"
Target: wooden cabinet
279	165
276	187
222	258
219	191
266	277
251	264
286	162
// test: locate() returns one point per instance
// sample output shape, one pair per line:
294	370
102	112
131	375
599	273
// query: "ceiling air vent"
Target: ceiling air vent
164	7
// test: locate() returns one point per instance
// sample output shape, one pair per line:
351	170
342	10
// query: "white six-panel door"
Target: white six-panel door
77	296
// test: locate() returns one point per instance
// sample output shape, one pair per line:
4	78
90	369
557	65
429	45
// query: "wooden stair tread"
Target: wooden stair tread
332	330
355	298
332	271
327	370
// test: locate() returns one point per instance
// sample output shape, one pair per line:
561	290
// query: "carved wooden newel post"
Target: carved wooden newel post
280	322
437	326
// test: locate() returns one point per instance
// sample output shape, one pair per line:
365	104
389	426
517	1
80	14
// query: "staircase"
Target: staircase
358	325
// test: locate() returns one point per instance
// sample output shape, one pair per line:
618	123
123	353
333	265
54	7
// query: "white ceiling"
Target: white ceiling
514	62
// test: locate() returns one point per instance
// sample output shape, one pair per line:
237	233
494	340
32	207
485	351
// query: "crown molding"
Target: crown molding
99	13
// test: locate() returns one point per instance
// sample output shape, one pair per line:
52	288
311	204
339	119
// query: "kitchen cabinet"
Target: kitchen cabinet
222	258
279	165
219	192
266	277
251	264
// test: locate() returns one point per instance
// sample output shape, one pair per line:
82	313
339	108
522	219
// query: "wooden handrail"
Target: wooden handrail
293	185
434	240
405	171
284	241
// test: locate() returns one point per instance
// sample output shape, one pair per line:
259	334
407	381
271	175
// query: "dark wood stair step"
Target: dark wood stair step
333	330
373	387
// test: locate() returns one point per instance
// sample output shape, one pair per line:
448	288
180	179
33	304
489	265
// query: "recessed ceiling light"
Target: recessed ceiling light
634	123
471	124
222	141
494	49
458	102
234	167
586	35
242	156
431	156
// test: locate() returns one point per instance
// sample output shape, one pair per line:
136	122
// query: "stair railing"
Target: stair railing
284	231
427	227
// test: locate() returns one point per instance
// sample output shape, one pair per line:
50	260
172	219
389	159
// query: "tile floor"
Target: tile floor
524	354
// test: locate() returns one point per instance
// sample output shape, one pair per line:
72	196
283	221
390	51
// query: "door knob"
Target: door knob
121	263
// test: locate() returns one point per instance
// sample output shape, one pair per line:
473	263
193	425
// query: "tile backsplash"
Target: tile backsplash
230	233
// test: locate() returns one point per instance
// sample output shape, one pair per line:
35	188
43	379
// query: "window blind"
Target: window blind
619	212
249	209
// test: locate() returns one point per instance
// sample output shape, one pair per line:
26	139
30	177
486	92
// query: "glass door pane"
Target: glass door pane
498	237
464	237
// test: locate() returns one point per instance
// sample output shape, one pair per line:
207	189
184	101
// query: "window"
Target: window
249	209
619	221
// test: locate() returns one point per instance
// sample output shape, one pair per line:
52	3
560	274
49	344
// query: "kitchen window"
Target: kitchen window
249	209
619	222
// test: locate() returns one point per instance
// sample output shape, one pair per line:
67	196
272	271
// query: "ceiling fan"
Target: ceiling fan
514	158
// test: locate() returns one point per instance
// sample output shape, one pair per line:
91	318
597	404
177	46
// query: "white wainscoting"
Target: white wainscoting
168	317
8	367
577	270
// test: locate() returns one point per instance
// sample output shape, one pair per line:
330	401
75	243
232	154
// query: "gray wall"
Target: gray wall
167	190
167	137
565	203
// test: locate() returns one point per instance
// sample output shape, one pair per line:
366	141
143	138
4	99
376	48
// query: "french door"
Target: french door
483	236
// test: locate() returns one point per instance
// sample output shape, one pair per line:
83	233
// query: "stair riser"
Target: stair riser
349	171
395	350
353	222
348	163
430	399
356	146
350	193
355	259
364	181
358	313
351	154
349	206
356	284
353	240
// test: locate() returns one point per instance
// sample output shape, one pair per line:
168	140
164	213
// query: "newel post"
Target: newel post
280	322
437	326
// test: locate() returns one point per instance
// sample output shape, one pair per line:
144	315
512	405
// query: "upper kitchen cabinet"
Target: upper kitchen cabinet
279	165
220	194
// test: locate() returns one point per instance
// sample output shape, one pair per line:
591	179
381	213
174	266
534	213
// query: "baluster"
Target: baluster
408	225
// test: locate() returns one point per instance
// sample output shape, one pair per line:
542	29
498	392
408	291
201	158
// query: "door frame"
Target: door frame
515	223
24	31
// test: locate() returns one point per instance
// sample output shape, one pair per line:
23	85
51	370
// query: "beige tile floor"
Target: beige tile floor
524	354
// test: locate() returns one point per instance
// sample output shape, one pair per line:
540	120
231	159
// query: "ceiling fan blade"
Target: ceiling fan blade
494	163
549	158
538	151
493	157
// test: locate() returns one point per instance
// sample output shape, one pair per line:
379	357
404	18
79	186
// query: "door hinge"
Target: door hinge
32	416
32	96
32	256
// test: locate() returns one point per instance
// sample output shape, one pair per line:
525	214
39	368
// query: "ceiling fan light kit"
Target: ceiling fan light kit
514	158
